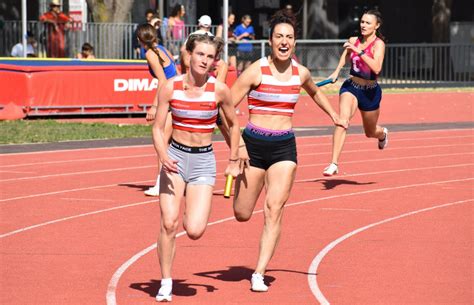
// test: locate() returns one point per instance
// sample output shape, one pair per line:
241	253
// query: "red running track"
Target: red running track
394	227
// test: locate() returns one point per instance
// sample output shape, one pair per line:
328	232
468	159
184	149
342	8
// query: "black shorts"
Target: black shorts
231	49
266	151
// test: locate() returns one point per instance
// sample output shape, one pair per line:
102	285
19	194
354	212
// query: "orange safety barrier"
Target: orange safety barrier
74	87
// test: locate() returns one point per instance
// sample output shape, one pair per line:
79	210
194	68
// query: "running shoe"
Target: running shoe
257	283
331	169
153	191
164	294
384	143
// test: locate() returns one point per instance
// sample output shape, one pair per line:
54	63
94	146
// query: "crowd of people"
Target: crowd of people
191	101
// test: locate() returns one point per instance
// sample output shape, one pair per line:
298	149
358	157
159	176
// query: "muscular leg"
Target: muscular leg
248	187
172	190
197	209
371	129
278	181
347	109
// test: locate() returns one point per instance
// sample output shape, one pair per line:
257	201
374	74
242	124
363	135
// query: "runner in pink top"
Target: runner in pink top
361	90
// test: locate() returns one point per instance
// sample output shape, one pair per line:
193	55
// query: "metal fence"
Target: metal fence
444	64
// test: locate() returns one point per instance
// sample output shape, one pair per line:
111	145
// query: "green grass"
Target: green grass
44	131
47	131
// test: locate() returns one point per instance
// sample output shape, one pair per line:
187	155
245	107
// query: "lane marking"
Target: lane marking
74	217
154	155
222	160
75	190
313	268
87	199
112	286
350	210
383	172
15	172
296	181
396	158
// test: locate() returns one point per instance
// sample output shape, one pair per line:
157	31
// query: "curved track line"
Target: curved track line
74	217
296	181
111	297
313	268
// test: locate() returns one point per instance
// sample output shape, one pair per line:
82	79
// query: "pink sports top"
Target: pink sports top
358	67
273	96
194	114
178	29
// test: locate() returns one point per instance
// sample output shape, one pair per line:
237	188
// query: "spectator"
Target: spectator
231	49
149	14
31	45
87	52
175	28
244	32
156	23
56	23
152	19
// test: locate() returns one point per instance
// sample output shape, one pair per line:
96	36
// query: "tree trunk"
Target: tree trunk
115	11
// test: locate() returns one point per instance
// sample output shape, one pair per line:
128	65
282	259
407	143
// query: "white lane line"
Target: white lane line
87	199
391	159
222	160
349	210
313	268
394	140
75	190
74	217
301	180
112	286
75	149
87	149
80	173
77	160
218	150
384	172
85	160
15	172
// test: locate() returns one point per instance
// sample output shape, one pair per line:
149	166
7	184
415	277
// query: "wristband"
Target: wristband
361	53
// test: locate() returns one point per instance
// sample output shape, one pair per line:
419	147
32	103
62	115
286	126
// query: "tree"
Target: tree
115	11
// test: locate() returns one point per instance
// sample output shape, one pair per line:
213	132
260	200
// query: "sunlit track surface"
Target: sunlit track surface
78	217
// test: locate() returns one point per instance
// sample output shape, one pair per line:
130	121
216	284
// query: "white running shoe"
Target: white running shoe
384	143
331	169
257	283
153	191
164	294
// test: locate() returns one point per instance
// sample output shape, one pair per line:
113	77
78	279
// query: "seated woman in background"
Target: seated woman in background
87	52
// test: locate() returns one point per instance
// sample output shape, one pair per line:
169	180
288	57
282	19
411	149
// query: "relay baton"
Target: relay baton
325	82
228	186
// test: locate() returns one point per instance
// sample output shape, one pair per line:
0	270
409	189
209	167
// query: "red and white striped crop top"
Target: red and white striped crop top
273	96
194	114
